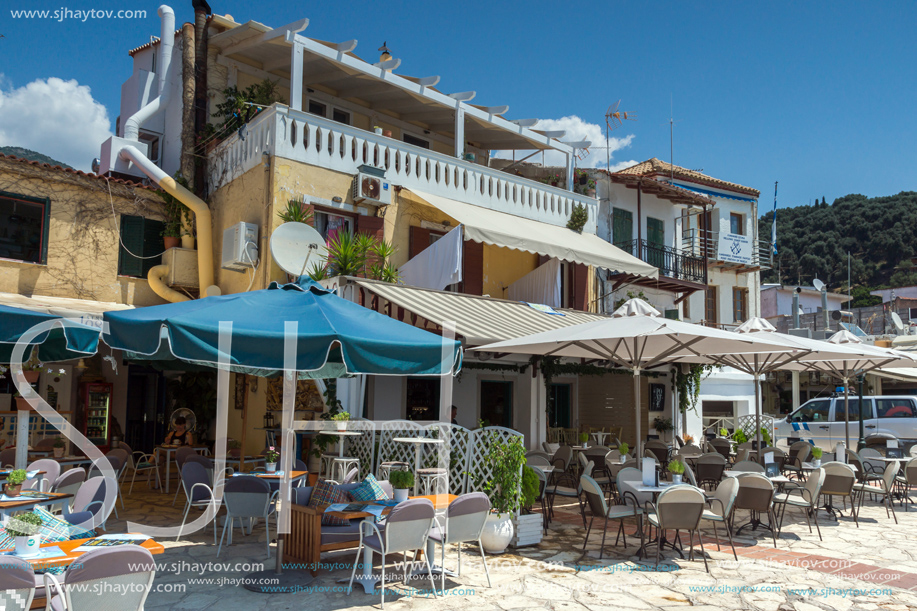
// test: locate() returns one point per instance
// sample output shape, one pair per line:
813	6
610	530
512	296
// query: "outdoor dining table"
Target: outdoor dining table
295	476
72	461
367	579
169	452
418	444
29	499
255	460
636	487
68	547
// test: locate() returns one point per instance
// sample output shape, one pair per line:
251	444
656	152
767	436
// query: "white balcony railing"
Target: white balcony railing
317	141
703	243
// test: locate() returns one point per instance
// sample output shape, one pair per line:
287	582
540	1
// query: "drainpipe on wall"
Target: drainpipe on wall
127	152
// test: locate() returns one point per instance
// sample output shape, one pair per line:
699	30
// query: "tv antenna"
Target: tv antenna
613	120
295	245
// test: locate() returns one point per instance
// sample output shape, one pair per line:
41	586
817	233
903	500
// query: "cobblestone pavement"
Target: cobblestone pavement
870	567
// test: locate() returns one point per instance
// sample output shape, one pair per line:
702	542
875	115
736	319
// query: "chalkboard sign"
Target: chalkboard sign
657	397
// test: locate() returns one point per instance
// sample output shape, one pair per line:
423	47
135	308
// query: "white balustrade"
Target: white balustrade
317	141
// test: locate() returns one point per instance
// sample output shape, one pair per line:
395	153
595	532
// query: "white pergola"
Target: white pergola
285	56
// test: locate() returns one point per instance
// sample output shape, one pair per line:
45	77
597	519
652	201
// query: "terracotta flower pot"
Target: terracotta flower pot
31	376
171	242
10	490
387	133
22	404
59	452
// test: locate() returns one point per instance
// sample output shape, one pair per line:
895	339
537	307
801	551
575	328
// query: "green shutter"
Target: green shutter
152	244
131	242
655	231
622	228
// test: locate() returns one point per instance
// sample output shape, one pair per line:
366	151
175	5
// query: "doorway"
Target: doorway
497	403
560	402
145	414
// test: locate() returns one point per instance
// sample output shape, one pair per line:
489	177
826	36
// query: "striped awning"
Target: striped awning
478	320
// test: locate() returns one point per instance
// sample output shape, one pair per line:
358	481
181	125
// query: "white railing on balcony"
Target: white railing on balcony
704	243
317	141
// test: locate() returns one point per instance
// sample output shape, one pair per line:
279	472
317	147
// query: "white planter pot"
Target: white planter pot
342	426
378	130
270	467
817	462
315	463
59	452
27	546
528	530
400	494
498	532
676	479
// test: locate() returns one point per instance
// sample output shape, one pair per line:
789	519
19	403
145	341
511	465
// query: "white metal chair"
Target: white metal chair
464	522
107	578
145	463
17	584
405	530
52	471
68	483
248	498
198	493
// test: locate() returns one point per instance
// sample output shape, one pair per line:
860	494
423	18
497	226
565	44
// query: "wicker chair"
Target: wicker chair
595	499
807	499
678	508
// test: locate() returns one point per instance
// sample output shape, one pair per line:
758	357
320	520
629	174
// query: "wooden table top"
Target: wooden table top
440	501
68	546
293	475
50	496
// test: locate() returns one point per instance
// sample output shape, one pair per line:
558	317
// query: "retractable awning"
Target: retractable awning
85	311
510	231
479	320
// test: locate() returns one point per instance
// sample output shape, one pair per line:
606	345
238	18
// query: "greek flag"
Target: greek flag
774	225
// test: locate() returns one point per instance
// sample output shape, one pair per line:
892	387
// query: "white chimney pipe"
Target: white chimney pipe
166	42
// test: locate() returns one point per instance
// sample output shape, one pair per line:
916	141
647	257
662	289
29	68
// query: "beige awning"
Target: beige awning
82	310
479	320
510	231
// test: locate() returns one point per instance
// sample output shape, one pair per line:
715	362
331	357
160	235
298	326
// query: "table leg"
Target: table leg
168	468
417	449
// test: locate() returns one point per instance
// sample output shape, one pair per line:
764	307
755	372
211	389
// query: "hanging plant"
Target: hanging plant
688	385
578	218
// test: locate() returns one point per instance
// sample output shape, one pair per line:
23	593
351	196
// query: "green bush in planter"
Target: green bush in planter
506	459
583	437
24	525
401	480
817	453
676	467
530	485
623	449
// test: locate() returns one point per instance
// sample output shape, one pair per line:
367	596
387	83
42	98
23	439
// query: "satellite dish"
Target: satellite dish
296	247
818	284
896	320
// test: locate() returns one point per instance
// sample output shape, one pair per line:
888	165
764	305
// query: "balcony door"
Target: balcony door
622	230
655	238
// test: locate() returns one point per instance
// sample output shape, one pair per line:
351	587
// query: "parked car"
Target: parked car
821	421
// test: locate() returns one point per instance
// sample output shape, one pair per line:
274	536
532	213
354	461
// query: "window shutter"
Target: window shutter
152	244
420	239
131	240
580	286
473	267
373	225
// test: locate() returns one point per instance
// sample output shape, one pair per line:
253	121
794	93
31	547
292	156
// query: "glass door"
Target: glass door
560	402
497	403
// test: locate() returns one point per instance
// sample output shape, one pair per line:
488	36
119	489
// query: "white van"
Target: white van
821	421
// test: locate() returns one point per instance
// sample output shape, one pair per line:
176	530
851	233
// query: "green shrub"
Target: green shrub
817	453
24	525
530	485
623	449
16	477
401	480
676	467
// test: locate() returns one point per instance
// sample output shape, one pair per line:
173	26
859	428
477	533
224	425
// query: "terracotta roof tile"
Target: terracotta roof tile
657	167
58	168
150	44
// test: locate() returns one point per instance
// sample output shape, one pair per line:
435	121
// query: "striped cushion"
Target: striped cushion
369	490
325	493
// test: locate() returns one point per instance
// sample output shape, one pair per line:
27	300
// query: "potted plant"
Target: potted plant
584	439
59	446
377	129
689	438
623	449
25	529
816	456
270	459
590	188
739	437
340	420
677	469
14	481
505	459
387	133
662	426
724	433
401	482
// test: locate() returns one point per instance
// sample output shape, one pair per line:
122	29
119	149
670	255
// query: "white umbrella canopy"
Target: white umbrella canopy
637	337
800	354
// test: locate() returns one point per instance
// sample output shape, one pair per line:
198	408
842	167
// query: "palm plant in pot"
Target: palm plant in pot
25	529
505	459
14	482
270	459
59	446
816	456
401	482
677	469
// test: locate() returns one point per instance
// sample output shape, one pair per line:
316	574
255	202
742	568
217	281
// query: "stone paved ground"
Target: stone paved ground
870	567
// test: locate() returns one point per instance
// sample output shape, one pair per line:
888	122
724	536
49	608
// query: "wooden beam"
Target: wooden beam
428	81
464	96
495	110
526	122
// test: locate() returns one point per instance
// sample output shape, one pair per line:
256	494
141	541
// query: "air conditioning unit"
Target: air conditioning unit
240	247
370	185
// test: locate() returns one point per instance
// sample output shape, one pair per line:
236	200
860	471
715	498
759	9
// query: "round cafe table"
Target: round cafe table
418	445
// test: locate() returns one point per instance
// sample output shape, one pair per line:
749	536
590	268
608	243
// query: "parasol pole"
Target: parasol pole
758	411
847	408
639	444
244	419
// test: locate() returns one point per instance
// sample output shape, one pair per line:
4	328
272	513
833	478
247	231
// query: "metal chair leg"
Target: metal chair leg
703	553
484	561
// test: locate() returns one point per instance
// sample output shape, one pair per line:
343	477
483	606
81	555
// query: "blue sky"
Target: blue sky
816	95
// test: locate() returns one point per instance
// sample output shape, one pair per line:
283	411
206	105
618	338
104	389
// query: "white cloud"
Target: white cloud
55	117
578	130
